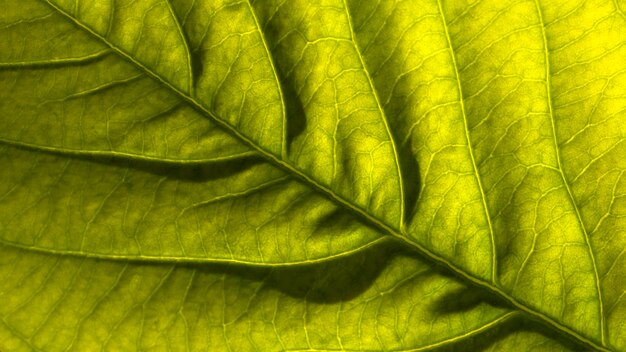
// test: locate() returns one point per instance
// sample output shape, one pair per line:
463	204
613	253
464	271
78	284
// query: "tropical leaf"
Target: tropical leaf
326	175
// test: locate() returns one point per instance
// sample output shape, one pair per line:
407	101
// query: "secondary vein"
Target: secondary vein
494	257
562	174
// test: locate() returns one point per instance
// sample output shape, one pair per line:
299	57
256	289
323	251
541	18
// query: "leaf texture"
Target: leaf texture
306	176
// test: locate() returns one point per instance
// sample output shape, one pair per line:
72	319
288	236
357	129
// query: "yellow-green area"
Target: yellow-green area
328	175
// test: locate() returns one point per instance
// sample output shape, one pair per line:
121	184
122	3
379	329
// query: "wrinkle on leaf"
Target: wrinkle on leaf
516	333
141	306
119	208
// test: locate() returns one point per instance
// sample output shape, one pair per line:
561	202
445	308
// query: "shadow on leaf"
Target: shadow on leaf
464	299
192	172
337	280
515	334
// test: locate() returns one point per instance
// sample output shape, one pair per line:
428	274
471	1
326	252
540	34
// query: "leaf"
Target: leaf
264	175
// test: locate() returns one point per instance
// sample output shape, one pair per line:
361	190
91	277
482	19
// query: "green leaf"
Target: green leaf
332	175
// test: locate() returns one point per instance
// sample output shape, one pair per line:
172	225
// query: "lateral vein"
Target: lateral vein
494	257
562	174
382	114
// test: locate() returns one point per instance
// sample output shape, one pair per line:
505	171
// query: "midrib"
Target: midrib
360	213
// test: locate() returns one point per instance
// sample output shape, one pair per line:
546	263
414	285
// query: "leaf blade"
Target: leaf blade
545	189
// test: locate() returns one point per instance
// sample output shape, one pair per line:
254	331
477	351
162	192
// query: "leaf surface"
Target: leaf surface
266	175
